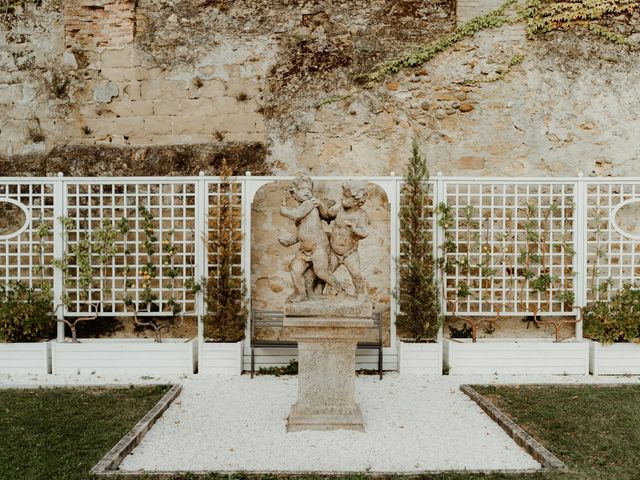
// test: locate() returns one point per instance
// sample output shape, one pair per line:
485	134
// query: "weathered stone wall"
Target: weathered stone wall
107	72
123	87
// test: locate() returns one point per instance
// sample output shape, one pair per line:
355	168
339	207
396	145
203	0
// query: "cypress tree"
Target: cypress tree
417	294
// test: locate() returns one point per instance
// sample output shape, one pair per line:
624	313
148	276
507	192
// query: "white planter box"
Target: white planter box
516	356
419	358
124	356
220	358
29	358
615	359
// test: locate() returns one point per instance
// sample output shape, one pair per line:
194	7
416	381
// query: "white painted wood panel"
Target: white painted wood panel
25	358
124	357
419	358
615	359
516	357
220	358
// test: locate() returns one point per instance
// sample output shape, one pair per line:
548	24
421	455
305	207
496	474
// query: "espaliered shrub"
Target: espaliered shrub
615	320
419	316
26	315
226	316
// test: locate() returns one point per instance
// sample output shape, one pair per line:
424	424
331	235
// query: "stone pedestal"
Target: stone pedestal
327	332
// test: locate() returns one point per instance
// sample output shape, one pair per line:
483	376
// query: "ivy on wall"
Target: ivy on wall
543	16
539	17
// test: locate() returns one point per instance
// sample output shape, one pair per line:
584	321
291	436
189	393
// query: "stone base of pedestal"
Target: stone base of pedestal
333	418
327	333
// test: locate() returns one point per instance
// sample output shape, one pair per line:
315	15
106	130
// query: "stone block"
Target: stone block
151	89
10	93
128	126
100	127
168	106
243	122
213	89
191	124
105	91
198	107
119	75
141	108
158	125
119	58
132	91
470	163
118	109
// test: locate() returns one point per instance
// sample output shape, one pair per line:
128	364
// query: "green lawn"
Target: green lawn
61	433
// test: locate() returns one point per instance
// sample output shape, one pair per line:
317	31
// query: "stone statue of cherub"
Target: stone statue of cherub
320	254
314	243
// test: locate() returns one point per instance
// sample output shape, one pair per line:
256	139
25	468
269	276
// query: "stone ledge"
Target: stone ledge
522	438
330	307
110	462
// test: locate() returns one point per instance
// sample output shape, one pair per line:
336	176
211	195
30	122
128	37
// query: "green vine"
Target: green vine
539	16
105	247
79	256
169	250
494	19
149	269
123	228
544	16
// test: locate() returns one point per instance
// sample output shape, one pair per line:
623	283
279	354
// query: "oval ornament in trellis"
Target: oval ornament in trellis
14	218
625	218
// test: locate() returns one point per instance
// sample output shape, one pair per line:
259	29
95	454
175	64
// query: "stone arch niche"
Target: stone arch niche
270	280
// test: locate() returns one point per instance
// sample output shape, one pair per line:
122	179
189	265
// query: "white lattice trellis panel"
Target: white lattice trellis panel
152	265
28	256
612	255
508	247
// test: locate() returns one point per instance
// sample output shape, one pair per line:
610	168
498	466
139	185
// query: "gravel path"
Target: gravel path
413	424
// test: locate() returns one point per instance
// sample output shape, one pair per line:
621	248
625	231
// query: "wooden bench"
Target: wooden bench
274	319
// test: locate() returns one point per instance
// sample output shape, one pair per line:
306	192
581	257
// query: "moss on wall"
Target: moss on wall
107	160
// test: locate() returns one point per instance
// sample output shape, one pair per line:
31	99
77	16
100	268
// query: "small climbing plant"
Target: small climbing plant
77	256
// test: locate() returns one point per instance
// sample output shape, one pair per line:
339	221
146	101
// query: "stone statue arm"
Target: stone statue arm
288	240
300	212
330	213
361	228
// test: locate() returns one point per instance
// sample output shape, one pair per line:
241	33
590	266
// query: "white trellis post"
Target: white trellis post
59	211
580	246
439	196
201	251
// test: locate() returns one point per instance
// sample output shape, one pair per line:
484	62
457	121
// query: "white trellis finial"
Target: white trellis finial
392	174
247	173
201	173
60	174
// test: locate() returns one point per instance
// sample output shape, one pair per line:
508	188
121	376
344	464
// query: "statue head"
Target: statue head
354	193
301	188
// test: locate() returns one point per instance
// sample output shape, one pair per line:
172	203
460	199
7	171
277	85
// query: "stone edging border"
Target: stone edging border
522	438
110	462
